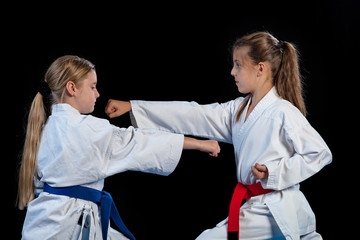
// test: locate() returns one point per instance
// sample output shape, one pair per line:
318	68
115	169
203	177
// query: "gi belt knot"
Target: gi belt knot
107	206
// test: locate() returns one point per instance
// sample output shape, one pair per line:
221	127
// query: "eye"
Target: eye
236	64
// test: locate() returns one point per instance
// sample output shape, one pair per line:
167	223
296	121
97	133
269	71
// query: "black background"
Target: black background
178	51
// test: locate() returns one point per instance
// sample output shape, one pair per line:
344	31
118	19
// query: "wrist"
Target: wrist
192	143
128	106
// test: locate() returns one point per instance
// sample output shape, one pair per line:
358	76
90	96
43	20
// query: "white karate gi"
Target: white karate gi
275	134
83	150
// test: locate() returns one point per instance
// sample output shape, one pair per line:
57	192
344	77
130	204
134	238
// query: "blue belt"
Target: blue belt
107	206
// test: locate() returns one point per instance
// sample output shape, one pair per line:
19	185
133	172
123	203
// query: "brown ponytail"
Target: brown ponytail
283	59
288	81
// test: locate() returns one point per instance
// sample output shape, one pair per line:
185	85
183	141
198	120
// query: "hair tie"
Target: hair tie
280	45
46	93
44	89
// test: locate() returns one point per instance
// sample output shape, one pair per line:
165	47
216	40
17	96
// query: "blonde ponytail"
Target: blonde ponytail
52	89
36	121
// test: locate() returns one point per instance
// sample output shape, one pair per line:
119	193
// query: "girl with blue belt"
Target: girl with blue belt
68	154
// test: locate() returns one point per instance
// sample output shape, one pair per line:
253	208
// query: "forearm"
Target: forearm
210	146
311	155
158	152
191	143
116	108
211	121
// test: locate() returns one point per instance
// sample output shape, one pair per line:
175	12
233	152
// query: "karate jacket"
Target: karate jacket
275	134
78	149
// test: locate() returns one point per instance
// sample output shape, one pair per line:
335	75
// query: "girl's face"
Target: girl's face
244	71
87	93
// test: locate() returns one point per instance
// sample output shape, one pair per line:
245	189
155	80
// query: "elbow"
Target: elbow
325	157
329	156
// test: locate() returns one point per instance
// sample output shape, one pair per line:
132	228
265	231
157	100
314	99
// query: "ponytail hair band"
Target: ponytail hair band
280	45
44	89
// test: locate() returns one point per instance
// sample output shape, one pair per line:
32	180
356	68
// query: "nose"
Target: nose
232	72
97	94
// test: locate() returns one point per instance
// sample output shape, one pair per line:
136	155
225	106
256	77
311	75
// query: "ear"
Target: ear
71	88
262	67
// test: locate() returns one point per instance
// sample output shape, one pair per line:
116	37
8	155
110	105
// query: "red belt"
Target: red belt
241	193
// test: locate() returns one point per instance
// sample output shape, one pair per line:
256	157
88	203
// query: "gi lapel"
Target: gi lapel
241	129
266	101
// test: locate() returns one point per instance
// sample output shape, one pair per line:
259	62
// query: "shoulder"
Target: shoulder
286	114
233	105
96	124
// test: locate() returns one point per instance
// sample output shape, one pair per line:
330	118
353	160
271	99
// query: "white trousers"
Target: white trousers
219	233
256	222
258	226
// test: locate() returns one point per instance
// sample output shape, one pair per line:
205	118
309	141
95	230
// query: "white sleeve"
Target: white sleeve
114	150
94	149
310	155
148	151
212	121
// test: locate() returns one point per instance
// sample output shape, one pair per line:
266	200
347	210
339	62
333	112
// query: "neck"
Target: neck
256	97
259	93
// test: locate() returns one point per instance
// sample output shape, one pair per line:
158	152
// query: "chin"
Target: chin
243	90
88	111
91	111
